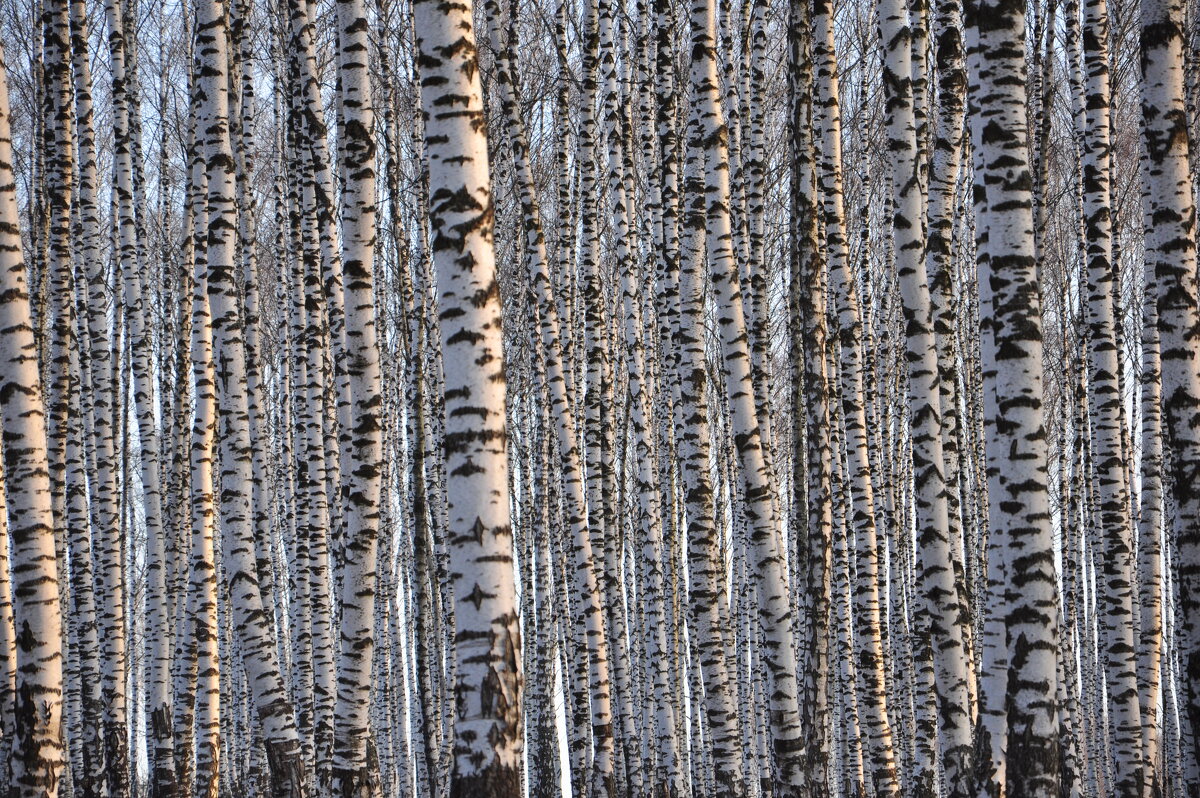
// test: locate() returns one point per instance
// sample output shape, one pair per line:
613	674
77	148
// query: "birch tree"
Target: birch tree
815	445
38	755
487	638
1018	686
287	772
354	756
1171	260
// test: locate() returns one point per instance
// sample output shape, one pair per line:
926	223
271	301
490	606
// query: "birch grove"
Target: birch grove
556	398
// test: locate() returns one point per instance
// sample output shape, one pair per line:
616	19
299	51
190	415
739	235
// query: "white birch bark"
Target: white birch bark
488	733
255	632
1171	261
1116	586
38	750
355	763
868	643
1018	720
107	543
773	598
202	624
939	619
705	567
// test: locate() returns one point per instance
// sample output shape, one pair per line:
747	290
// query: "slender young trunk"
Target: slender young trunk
107	545
158	651
1150	550
243	120
319	264
355	765
185	675
941	264
8	642
1106	412
202	584
705	567
940	618
757	265
774	601
255	633
620	213
811	521
65	426
664	206
591	627
601	781
312	143
866	610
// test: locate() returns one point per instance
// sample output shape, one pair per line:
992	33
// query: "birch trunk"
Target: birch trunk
355	763
255	634
1116	585
487	643
773	598
1171	266
1018	722
38	751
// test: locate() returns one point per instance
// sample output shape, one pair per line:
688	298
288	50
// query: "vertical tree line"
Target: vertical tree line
622	400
